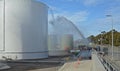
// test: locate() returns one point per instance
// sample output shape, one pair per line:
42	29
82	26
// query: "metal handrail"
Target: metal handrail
109	66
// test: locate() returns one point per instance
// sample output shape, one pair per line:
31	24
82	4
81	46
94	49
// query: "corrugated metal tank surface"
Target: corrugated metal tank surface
25	29
60	45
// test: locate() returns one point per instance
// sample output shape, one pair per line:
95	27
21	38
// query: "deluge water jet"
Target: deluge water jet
62	25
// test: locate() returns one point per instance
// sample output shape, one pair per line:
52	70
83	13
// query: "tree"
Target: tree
106	38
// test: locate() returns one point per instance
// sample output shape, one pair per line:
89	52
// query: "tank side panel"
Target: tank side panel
1	24
66	42
40	22
25	29
16	14
59	45
26	26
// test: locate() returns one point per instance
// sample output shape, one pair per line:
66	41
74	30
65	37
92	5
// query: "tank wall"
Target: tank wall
26	29
59	45
1	25
66	42
52	42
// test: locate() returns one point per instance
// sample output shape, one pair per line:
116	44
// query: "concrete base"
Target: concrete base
4	66
19	56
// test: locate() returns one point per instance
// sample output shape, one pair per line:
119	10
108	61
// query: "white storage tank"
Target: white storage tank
60	45
66	42
52	44
23	29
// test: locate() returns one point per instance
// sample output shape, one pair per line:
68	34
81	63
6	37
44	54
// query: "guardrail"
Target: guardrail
97	64
109	66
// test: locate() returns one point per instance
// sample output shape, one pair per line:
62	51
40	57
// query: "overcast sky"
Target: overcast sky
88	15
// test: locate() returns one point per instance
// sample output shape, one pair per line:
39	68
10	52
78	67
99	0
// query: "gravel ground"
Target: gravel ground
35	66
47	69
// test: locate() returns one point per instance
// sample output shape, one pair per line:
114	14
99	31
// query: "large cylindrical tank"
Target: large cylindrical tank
60	45
23	29
66	42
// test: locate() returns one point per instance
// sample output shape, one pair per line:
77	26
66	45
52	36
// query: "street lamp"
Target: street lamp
112	32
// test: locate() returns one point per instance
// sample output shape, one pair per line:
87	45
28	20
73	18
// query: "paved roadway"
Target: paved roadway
85	65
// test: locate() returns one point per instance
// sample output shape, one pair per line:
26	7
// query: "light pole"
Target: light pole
112	33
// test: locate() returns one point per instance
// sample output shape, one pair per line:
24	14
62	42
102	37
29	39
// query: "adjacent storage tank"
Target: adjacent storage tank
23	29
60	45
67	42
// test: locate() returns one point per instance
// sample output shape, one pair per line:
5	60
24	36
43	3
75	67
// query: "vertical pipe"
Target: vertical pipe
112	37
3	25
52	14
111	33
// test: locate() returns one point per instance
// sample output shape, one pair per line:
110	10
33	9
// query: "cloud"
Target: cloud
91	2
85	2
75	17
105	24
79	16
115	12
53	8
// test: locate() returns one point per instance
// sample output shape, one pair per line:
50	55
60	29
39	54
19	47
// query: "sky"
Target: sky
88	15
